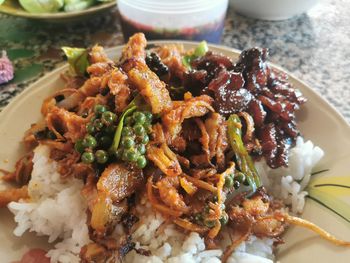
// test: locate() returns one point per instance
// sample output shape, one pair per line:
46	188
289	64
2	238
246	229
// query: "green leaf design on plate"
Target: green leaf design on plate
319	172
14	54
27	73
16	30
332	193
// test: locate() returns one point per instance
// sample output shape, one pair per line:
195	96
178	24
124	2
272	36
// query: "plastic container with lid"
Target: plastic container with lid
174	19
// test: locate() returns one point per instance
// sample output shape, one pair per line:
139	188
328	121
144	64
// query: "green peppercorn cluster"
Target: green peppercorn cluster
100	130
134	138
235	181
201	218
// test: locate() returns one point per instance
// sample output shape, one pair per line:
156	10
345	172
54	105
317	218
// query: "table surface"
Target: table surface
313	46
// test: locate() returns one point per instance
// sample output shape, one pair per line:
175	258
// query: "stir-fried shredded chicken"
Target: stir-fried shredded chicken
118	86
192	107
171	55
162	156
14	194
135	48
65	124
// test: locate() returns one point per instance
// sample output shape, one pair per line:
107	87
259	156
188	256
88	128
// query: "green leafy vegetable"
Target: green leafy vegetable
186	60
200	51
244	161
41	6
77	5
52	6
77	59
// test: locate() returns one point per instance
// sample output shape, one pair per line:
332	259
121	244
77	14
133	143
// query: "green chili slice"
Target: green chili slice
244	161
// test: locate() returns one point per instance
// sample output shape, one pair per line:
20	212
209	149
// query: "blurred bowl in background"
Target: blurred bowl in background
272	9
174	19
13	8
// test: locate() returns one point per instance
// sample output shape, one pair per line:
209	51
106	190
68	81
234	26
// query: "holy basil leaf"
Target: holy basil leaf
200	51
77	59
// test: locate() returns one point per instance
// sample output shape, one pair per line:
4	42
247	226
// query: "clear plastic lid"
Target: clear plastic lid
171	6
173	13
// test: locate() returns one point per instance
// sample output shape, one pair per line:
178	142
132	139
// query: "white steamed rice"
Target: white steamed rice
173	246
57	209
288	184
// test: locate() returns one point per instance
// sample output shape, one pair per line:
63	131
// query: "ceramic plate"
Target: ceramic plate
318	121
11	7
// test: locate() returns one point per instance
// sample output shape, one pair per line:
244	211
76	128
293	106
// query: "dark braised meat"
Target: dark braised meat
204	70
211	62
251	86
230	96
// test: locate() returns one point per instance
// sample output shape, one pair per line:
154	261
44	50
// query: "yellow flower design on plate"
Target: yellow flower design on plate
333	193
